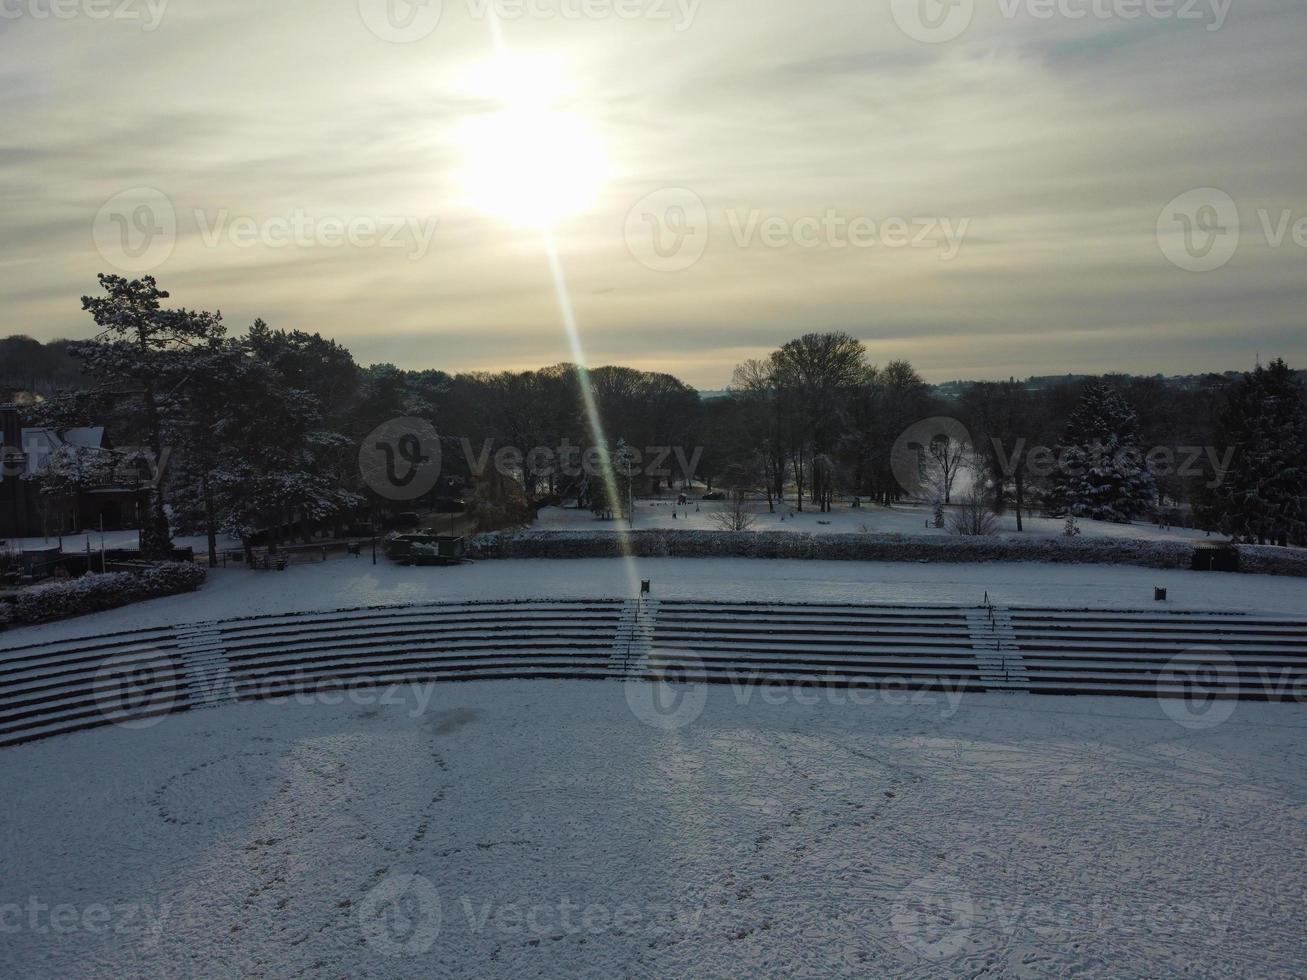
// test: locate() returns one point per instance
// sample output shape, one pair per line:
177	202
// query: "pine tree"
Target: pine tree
280	462
140	354
1101	473
1263	496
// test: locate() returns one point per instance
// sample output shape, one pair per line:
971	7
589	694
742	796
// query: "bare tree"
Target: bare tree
944	460
974	514
736	514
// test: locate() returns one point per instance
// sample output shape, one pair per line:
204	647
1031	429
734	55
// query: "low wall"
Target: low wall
868	547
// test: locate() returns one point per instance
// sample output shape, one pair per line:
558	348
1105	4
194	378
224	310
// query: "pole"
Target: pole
103	566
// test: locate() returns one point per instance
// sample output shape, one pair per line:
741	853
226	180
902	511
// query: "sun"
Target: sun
529	161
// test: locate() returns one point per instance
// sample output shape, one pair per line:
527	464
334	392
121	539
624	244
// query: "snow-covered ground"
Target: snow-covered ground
655	514
515	829
844	519
355	582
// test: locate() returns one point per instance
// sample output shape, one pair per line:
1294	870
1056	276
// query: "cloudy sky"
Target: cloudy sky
987	188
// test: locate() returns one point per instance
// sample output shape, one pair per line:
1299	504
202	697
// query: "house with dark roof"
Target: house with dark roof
28	508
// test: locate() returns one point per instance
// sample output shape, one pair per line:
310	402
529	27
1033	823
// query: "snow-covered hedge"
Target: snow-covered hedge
94	592
866	547
1266	560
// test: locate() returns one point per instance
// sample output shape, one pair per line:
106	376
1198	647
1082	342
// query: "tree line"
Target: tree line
260	431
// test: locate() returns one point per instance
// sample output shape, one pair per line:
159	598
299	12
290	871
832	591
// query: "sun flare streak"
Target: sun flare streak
532	164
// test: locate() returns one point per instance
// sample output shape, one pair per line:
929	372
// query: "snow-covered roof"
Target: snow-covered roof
86	437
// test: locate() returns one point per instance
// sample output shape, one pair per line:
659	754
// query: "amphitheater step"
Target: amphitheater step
633	641
994	640
66	685
204	658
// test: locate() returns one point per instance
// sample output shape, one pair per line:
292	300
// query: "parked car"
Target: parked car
715	495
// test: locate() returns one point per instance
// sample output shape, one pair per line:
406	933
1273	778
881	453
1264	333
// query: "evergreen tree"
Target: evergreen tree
1101	473
205	424
1263	497
141	355
280	462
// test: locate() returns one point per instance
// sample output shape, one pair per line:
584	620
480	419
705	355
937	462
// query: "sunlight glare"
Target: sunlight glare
530	162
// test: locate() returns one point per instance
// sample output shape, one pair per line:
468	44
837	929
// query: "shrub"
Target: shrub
94	592
867	547
974	515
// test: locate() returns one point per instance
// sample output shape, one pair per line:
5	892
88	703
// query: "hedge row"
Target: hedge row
95	593
867	547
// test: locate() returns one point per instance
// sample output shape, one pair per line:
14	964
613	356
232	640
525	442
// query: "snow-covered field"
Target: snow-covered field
517	829
656	514
356	582
844	519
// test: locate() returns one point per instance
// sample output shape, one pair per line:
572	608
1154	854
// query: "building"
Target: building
27	511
